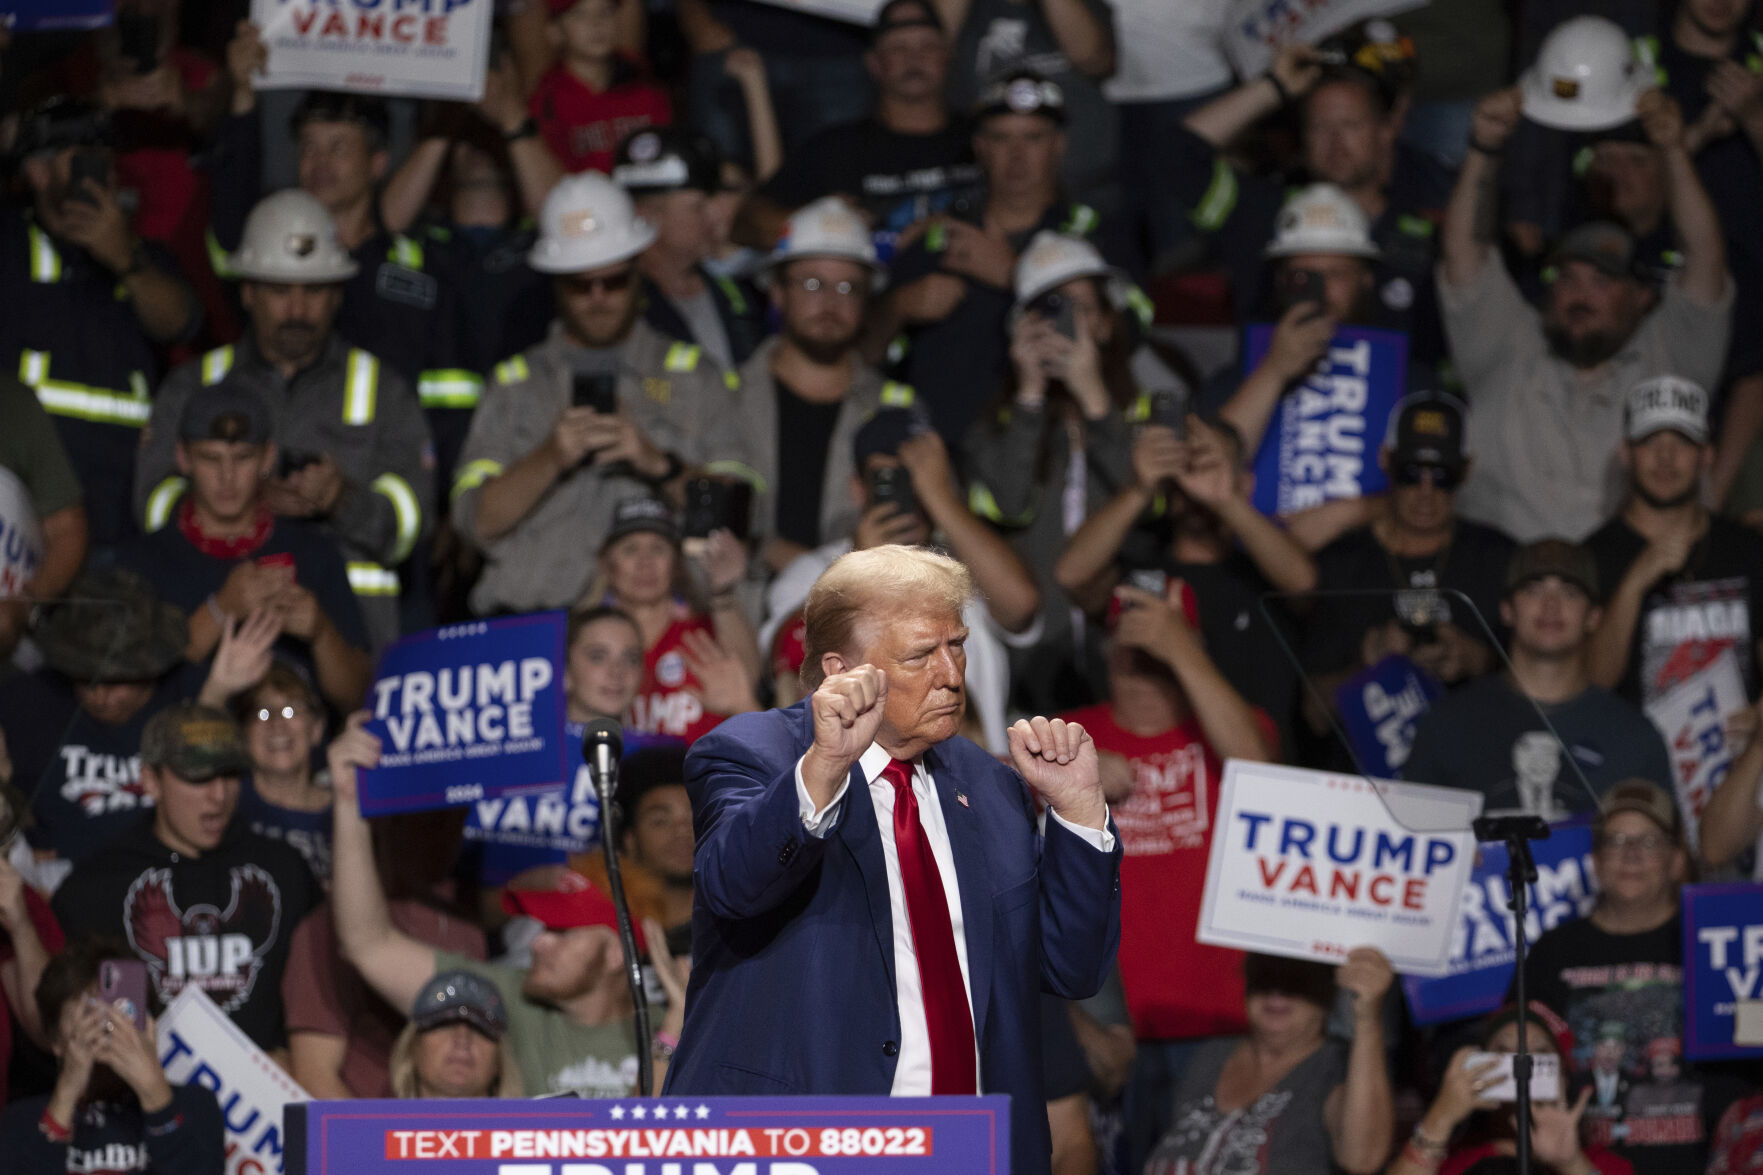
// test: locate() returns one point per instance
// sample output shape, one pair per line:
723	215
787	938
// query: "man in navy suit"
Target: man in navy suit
878	906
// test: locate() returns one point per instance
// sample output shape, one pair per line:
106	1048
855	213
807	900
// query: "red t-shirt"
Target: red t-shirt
1175	987
666	703
1602	1161
582	127
49	931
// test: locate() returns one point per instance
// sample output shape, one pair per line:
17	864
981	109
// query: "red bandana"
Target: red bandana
225	548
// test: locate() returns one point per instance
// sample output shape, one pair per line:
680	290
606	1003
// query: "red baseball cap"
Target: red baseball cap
574	902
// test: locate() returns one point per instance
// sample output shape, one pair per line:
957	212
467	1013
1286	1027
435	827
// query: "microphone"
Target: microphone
602	747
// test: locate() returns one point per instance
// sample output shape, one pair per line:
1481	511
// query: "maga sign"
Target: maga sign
1310	864
1723	968
1321	443
418	48
1482	950
198	1045
665	1136
466	713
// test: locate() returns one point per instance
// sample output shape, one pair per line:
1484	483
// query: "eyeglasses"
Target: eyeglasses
1650	844
611	283
1413	473
814	285
286	713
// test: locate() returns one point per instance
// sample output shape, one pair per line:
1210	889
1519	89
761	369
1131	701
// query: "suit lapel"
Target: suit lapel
972	872
862	839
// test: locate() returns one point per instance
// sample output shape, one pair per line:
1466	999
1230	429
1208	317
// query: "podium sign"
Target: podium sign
705	1136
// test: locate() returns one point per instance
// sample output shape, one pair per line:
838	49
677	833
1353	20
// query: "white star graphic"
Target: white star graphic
639	1113
703	1111
617	1111
680	1112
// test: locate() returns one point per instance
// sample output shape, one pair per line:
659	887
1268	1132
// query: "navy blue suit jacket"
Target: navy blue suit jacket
792	988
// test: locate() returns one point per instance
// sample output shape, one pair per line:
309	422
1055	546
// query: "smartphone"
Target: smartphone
293	460
1305	285
1057	309
597	390
892	484
86	165
1170	409
1545	1077
137	36
122	984
715	504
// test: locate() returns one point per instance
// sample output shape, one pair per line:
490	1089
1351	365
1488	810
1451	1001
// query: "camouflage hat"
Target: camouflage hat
194	742
113	628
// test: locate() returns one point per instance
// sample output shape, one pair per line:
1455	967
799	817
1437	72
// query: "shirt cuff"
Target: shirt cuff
1099	839
818	824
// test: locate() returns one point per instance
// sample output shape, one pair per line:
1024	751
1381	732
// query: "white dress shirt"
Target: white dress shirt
912	1072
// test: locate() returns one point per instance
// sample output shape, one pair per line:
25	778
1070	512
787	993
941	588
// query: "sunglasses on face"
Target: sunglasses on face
1414	473
610	283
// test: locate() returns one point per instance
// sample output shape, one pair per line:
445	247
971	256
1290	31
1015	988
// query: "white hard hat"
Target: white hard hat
1052	259
588	222
290	237
1585	77
1322	219
828	227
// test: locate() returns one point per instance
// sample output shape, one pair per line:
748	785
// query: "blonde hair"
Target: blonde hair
861	583
403	1066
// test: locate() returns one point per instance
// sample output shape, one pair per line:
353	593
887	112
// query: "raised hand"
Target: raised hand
723	684
848	709
1554	1131
1496	117
355	748
1057	759
243	655
1367	974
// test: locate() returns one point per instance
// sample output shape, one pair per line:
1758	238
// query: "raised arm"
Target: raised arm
395	964
1733	817
1294	71
1472	216
1300	340
1086	39
1086	568
1360	1113
1702	277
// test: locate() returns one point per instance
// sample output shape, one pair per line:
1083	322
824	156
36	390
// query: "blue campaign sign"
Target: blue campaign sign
1379	707
43	16
1722	966
1321	444
664	1136
1482	951
466	713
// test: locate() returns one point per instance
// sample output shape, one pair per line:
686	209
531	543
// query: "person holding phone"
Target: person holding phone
1464	1128
112	1107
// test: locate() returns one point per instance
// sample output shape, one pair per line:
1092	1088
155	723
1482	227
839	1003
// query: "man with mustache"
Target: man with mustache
1549	389
355	455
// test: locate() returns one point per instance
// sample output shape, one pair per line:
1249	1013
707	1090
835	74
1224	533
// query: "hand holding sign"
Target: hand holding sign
1058	760
350	751
1367	974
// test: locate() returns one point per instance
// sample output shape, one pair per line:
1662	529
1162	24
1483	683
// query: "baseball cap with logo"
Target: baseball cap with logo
1427	429
1021	91
635	515
1647	798
460	997
1557	557
574	902
667	159
194	742
1667	402
225	413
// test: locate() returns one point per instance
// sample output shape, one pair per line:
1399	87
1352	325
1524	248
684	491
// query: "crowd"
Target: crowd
1437	339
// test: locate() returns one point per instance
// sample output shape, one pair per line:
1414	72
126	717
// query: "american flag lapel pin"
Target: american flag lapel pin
961	798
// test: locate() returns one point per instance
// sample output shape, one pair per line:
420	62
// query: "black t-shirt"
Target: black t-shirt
83	776
185	577
222	920
1488	737
804	433
1622	995
186	1137
896	178
1474	563
1713	604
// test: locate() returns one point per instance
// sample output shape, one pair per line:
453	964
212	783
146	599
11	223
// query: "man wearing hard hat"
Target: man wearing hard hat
355	451
807	390
605	408
1549	390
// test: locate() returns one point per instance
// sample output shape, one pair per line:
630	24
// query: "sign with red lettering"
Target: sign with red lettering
660	1136
1309	864
415	48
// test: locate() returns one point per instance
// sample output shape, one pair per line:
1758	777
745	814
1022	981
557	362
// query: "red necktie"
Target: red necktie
933	940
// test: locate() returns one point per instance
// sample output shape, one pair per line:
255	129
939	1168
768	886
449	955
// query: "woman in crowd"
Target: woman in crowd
1059	444
701	657
1286	1099
456	1043
1489	1137
286	796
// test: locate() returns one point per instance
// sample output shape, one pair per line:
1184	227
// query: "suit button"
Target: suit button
786	853
890	1049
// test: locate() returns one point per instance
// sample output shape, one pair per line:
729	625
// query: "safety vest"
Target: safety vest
67	398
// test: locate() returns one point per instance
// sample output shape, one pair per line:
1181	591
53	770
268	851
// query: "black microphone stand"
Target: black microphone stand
1516	831
606	783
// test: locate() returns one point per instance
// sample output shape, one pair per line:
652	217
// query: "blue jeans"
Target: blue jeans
808	93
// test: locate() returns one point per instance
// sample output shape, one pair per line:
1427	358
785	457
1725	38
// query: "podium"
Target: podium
652	1136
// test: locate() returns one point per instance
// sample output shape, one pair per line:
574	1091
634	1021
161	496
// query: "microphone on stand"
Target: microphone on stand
602	746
